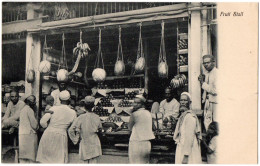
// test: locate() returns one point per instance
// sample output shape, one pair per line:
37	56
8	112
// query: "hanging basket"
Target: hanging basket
30	74
162	63
99	74
45	65
120	65
62	74
140	60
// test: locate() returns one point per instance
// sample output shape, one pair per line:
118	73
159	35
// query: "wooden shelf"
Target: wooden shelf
183	51
74	82
119	77
184	68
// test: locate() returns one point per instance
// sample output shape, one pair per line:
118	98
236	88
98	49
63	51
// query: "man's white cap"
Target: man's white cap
187	94
141	97
64	95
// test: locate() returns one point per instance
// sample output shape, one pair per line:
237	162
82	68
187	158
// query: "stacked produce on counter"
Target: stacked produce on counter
118	84
130	95
125	103
105	101
113	117
178	81
100	111
183	44
183	60
101	85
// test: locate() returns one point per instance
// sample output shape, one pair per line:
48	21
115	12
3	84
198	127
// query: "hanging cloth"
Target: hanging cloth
119	66
30	73
162	63
140	60
63	60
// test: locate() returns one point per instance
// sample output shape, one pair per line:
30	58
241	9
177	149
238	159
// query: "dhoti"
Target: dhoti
209	113
139	152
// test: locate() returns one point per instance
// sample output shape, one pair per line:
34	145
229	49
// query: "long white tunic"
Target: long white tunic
187	141
53	147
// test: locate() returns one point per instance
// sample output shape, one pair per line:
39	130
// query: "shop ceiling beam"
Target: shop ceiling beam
194	58
14	41
20	26
136	16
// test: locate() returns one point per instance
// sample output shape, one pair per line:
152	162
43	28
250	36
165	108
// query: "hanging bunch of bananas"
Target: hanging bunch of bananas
82	49
178	81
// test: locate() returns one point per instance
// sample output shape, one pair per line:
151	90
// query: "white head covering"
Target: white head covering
64	95
187	94
89	99
141	97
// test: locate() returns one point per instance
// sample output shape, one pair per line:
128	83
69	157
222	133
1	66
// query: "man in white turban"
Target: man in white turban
187	134
53	147
85	128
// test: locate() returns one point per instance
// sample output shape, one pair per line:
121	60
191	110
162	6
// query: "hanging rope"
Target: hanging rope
63	61
99	54
120	50
162	63
45	49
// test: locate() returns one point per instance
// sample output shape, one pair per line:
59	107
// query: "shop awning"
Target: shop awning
121	18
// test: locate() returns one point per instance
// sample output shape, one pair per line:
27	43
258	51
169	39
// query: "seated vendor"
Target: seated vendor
12	114
168	109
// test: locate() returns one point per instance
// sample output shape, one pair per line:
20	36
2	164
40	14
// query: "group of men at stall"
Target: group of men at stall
60	118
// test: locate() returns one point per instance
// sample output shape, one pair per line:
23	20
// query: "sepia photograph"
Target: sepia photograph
111	82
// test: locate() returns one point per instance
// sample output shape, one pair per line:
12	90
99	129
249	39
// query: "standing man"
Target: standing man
53	147
169	108
187	134
140	124
85	129
208	84
12	114
56	93
28	140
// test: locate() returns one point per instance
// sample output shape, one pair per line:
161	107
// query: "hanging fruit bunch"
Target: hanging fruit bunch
45	65
99	74
62	74
119	66
162	63
140	61
178	81
80	51
30	74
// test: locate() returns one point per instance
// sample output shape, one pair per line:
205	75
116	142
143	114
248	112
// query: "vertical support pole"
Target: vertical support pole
29	47
194	58
30	11
205	46
146	78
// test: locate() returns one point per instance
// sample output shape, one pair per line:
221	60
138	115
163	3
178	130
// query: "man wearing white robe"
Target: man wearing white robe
208	84
187	134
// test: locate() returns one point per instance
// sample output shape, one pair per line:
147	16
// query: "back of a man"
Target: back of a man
62	117
142	130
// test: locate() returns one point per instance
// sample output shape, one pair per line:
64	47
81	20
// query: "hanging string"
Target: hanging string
45	48
162	55
63	62
99	54
80	37
120	47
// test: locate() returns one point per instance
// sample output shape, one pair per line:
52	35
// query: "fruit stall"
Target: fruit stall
115	57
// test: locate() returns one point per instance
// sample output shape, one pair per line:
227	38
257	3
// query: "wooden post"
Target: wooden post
194	53
205	46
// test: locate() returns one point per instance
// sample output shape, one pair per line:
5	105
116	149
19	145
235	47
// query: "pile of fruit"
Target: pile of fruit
113	118
130	95
125	103
183	44
100	111
178	81
105	101
101	85
183	60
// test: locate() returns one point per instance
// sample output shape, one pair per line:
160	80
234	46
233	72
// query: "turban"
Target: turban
89	99
141	97
64	95
187	94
